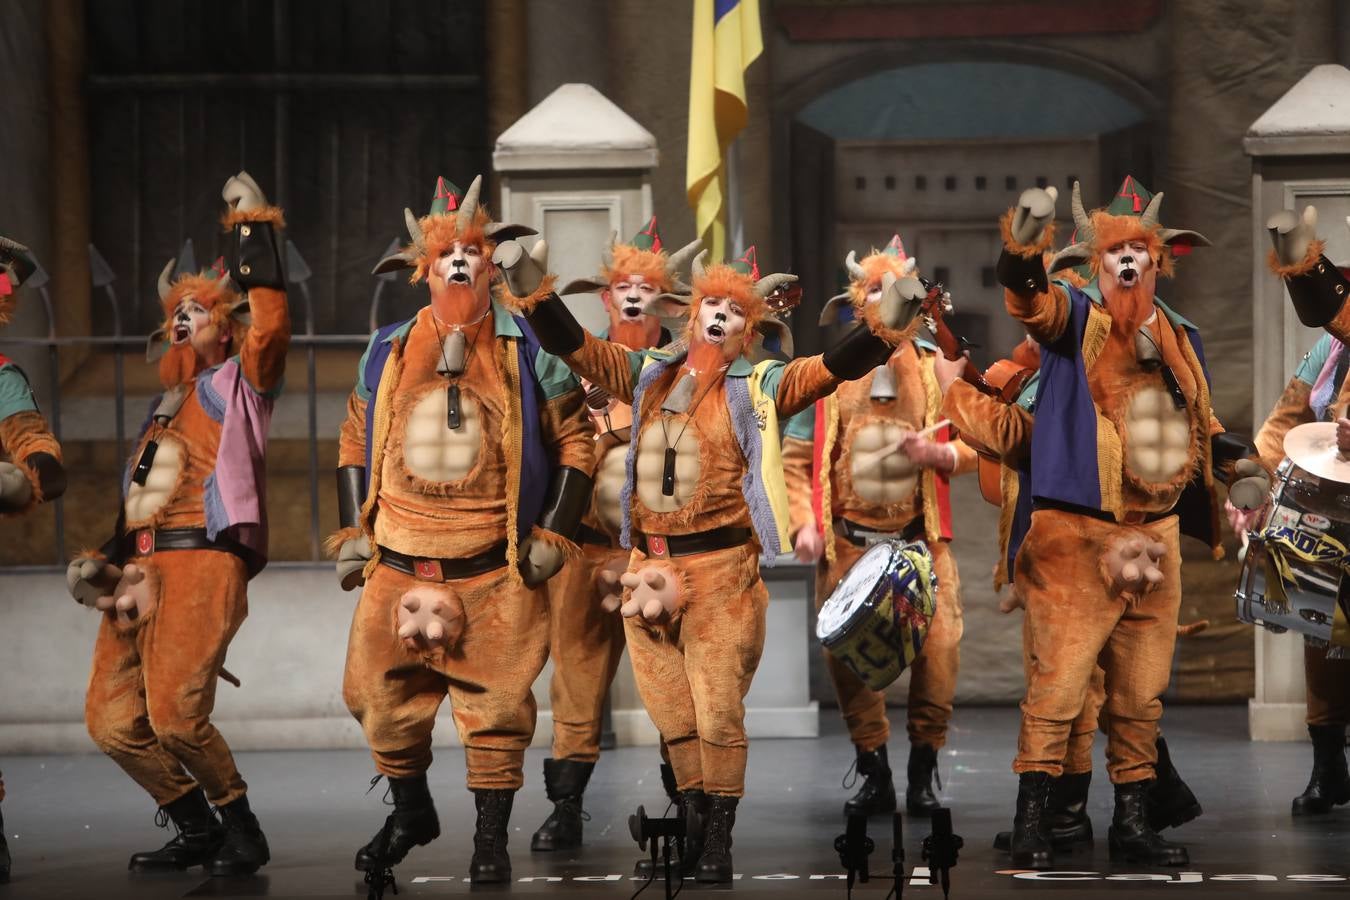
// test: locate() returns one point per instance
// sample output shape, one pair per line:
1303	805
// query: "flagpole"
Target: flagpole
735	213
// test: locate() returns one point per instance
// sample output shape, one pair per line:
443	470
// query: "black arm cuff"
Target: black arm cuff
351	490
1318	294
1225	449
557	329
51	475
569	495
1021	274
255	260
856	353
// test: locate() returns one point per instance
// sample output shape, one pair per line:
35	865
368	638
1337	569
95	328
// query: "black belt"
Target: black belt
1100	514
146	541
438	569
862	536
661	545
588	535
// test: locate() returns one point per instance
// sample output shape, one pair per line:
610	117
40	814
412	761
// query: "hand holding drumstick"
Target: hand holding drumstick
917	446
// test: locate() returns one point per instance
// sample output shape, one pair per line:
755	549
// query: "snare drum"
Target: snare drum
876	619
1293	576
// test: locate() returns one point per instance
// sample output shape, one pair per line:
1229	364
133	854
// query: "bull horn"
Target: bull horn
770	283
676	261
697	268
1080	216
414	230
855	271
607	254
164	285
469	205
1149	218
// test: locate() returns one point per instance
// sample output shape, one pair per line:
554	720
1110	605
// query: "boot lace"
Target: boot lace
851	776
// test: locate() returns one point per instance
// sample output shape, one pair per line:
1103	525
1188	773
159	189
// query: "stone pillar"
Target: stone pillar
1300	150
576	168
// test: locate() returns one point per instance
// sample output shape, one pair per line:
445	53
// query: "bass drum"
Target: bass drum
877	617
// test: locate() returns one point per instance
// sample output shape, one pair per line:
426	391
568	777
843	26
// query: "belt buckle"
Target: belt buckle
657	547
427	569
145	541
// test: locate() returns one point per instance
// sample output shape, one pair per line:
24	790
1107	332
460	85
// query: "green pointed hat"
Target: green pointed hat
1131	199
446	198
747	264
649	238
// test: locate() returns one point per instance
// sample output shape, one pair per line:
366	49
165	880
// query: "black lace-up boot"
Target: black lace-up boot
1132	839
413	823
919	797
564	781
1067	821
491	863
714	866
245	849
199	836
877	794
1030	845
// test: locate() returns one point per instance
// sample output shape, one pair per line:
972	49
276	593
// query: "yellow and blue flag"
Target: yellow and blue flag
726	40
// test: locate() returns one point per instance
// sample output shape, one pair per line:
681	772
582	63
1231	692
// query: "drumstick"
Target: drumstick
866	462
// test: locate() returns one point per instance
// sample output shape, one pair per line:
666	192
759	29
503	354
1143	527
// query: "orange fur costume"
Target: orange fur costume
933	680
152	684
394	691
1073	613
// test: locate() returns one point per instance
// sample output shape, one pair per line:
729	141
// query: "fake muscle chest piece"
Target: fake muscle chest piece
610	476
169	492
872	424
433	450
144	500
653	469
1157	434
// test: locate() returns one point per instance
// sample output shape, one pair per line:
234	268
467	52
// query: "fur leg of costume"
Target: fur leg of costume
585	643
153	686
395	692
1073	619
1328	687
693	676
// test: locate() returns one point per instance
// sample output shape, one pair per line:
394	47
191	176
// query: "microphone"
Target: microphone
853	847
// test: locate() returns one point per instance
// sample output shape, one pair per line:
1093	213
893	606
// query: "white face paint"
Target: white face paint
628	296
460	264
189	318
1126	263
721	321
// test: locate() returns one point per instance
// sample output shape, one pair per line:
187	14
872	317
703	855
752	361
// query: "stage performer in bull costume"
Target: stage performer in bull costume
191	532
844	499
465	468
703	497
1001	426
30	458
585	641
1125	445
1321	295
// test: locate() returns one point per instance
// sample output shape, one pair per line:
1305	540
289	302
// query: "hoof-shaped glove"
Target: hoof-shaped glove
523	271
351	562
1035	210
540	560
1291	234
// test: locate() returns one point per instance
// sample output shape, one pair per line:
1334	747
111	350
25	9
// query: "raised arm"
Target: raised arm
1320	293
1003	429
1030	298
255	265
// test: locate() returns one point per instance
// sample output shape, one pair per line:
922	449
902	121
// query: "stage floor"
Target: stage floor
73	820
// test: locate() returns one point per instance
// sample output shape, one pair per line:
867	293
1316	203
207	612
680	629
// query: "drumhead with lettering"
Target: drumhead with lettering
855	590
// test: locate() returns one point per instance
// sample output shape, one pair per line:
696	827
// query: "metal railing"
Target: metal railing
298	274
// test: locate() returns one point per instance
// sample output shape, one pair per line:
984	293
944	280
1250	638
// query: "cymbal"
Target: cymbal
1312	447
